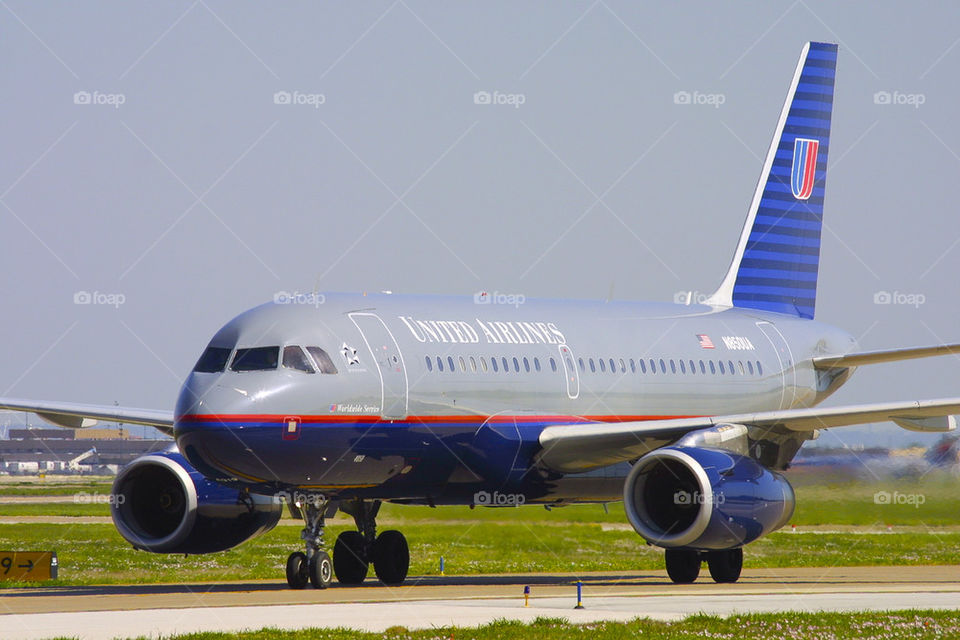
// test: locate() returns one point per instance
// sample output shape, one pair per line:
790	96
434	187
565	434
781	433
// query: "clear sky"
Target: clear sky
187	160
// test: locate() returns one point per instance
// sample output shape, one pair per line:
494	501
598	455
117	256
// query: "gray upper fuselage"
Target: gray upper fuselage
399	364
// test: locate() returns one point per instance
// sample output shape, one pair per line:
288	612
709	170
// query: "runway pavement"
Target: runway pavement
132	610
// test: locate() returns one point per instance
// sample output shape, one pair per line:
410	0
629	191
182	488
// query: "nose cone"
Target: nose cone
224	426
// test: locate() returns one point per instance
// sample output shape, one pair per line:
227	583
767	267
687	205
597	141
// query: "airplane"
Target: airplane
686	412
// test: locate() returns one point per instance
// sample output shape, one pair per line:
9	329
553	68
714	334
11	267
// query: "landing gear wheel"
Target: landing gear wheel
297	576
349	558
321	570
391	557
725	566
683	565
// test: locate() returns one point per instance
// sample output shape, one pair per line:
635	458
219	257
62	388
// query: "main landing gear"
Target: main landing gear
683	565
353	552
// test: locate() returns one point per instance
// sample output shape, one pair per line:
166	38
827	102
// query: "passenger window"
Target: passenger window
450	364
493	363
322	360
570	364
536	364
633	366
439	363
750	367
703	369
759	368
730	363
643	366
673	366
516	365
683	369
740	366
473	364
623	366
613	366
212	360
721	367
256	359
506	368
553	365
463	365
603	366
653	366
582	368
483	364
429	363
526	364
295	358
693	367
663	366
713	369
593	366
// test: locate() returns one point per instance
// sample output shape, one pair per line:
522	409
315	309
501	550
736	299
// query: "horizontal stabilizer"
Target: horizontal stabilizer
890	355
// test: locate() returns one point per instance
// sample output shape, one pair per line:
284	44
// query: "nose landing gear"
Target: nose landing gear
314	566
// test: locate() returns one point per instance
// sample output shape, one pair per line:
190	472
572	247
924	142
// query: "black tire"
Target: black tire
725	566
297	576
349	558
391	558
321	570
683	565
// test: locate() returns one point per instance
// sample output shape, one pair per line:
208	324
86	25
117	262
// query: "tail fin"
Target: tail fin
775	266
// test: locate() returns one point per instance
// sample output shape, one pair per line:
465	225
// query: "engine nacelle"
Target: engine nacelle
162	504
703	498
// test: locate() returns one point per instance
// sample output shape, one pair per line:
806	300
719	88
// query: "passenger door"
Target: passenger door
386	354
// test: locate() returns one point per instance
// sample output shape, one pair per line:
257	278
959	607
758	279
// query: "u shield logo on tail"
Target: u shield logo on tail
804	168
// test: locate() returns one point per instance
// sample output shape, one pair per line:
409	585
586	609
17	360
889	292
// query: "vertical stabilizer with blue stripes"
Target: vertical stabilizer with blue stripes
775	266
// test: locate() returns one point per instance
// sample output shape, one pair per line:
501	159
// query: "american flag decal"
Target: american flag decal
705	341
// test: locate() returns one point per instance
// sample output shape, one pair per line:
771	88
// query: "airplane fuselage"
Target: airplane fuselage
435	399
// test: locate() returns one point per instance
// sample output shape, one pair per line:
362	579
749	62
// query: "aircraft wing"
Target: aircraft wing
844	361
579	447
79	416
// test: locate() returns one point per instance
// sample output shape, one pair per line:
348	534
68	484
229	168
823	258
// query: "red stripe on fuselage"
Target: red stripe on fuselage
459	419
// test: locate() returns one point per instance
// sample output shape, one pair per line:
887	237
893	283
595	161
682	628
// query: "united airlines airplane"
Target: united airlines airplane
687	413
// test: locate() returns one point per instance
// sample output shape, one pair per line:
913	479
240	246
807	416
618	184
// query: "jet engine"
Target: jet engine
162	504
704	498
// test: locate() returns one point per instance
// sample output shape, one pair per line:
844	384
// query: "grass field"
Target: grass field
525	539
862	626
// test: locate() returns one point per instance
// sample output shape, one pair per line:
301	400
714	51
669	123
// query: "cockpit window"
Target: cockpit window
212	360
323	361
256	359
295	358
